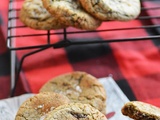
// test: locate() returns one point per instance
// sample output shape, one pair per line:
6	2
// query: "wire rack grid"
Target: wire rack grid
13	18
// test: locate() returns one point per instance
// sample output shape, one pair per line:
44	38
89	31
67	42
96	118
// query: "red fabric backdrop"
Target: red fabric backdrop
134	65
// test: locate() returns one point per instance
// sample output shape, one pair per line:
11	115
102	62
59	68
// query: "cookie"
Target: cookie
72	14
75	111
79	87
141	111
121	10
36	107
35	16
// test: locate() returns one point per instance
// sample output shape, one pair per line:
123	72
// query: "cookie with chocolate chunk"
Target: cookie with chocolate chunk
35	16
72	14
75	111
79	87
36	107
141	111
121	10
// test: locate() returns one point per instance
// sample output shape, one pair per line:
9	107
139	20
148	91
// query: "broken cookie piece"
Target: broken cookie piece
141	111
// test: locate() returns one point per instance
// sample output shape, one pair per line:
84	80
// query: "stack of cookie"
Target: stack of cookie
71	96
81	14
78	96
79	87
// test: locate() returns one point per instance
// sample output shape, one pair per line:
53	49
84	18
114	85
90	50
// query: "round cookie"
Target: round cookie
72	14
79	87
122	10
36	107
75	111
35	16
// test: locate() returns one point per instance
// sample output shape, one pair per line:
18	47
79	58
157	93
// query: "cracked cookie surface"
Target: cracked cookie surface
75	111
36	107
122	10
35	16
141	111
72	14
79	87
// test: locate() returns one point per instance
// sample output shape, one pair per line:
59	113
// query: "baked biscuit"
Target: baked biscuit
36	107
141	111
35	16
72	14
79	87
75	111
122	10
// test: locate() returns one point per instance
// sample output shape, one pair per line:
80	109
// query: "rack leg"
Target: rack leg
20	67
13	66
